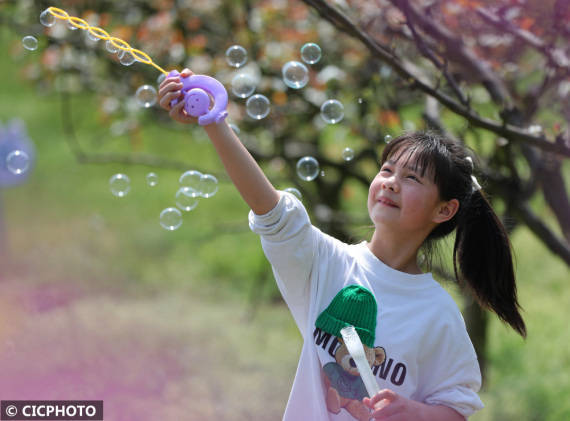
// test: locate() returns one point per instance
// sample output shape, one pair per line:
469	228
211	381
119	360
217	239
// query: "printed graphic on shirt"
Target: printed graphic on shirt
353	305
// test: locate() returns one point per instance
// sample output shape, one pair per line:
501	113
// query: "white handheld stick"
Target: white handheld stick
356	350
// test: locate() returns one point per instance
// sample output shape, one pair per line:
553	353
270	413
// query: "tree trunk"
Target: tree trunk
476	319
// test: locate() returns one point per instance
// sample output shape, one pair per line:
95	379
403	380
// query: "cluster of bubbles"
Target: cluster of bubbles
295	75
193	185
243	84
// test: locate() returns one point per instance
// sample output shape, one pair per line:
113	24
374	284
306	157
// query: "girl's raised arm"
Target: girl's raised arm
247	176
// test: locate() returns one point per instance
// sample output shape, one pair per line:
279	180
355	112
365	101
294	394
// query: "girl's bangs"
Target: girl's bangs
415	153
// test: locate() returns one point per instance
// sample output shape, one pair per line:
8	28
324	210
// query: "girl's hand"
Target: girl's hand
170	89
389	406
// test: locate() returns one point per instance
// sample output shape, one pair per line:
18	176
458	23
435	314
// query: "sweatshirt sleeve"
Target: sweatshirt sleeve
453	376
289	242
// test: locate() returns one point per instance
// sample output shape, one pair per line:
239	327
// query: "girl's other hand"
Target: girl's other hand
169	90
388	405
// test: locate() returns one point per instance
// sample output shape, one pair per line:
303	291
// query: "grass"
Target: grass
159	320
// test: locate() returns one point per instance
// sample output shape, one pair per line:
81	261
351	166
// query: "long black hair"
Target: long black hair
482	255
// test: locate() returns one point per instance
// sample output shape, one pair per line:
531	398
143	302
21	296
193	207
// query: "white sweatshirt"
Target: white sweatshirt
428	354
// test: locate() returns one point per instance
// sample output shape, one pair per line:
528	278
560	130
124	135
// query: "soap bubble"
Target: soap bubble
120	185
332	111
347	154
30	43
294	191
71	26
307	168
170	219
310	53
187	198
47	19
152	179
243	85
17	162
92	37
387	138
295	74
160	78
192	179
110	47
146	96
126	58
208	185
257	106
236	56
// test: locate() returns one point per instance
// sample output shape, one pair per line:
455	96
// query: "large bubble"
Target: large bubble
30	43
310	53
187	198
126	58
243	85
208	185
192	179
120	185
332	111
295	74
257	106
110	47
308	168
170	219
236	56
17	162
146	96
47	19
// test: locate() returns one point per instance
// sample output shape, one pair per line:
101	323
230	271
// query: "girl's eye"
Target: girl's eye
413	177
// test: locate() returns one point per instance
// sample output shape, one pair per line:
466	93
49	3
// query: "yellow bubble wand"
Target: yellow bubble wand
104	35
197	89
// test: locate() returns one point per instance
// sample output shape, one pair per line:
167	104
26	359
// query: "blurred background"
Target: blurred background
116	285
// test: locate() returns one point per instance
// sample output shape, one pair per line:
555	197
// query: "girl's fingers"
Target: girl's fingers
167	98
186	73
168	80
170	86
380	399
176	112
179	114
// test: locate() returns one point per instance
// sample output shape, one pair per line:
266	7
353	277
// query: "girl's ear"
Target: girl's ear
446	211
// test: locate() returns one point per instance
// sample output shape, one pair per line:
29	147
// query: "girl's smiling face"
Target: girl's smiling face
405	196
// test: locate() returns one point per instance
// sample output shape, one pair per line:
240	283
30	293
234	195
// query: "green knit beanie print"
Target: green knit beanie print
353	305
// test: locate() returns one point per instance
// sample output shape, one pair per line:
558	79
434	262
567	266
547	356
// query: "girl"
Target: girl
413	333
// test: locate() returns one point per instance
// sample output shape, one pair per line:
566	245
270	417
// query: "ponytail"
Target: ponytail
482	258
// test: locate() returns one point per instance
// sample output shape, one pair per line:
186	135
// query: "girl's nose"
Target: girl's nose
390	184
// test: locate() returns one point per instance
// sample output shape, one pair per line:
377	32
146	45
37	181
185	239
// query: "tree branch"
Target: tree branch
508	131
541	230
557	59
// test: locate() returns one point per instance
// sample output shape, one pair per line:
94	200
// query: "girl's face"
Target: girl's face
399	196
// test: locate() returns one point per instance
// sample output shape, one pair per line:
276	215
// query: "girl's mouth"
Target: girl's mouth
387	202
